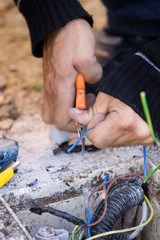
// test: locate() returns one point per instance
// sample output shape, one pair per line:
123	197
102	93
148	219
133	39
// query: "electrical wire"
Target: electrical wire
106	179
128	229
148	117
75	231
145	161
73	146
111	182
85	194
88	222
79	139
104	182
150	174
81	235
136	232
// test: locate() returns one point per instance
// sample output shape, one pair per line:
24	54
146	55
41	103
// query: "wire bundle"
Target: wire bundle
79	232
109	187
143	222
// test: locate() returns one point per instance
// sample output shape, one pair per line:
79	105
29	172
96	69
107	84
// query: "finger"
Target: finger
90	99
111	133
85	60
59	92
64	95
90	68
97	112
86	117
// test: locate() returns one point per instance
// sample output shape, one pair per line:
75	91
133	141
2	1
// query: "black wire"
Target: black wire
39	210
65	146
119	185
115	187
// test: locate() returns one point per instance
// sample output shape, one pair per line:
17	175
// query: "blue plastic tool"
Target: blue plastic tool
8	152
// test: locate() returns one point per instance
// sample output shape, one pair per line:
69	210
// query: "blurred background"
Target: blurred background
20	72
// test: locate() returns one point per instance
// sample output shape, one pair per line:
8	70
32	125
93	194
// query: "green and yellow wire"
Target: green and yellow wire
75	231
150	174
149	121
148	117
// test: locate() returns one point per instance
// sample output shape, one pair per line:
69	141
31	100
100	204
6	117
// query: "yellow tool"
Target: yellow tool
7	174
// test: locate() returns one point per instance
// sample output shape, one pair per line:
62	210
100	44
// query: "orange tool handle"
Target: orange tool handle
80	94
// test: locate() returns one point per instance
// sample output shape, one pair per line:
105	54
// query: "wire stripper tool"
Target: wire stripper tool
80	104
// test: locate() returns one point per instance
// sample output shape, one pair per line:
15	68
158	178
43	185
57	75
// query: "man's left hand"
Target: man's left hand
114	123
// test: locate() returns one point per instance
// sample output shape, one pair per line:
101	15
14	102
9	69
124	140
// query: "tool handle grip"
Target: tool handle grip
80	92
5	176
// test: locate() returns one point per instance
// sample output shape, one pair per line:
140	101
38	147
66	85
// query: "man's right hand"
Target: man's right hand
66	52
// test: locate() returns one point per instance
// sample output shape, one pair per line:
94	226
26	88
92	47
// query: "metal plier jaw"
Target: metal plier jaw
81	131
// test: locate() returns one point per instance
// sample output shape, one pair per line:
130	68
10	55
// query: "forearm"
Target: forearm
46	16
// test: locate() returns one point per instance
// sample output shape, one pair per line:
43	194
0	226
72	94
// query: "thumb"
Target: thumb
90	69
87	118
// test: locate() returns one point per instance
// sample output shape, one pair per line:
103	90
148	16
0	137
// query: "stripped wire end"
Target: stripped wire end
76	143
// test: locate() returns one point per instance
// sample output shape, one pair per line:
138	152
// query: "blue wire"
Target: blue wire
88	222
106	179
145	162
75	144
87	131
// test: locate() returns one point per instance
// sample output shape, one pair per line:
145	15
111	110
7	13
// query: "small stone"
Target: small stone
6	125
13	68
2	82
1	235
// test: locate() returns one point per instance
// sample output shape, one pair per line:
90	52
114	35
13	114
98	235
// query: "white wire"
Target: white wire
134	234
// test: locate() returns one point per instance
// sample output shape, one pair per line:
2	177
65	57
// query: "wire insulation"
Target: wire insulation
121	177
145	161
128	229
76	143
150	174
148	117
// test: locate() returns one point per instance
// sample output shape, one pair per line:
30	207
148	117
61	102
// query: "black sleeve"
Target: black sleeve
45	16
141	72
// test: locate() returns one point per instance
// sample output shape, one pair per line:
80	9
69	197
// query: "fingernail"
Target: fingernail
78	111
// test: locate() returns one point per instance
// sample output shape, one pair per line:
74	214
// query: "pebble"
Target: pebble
5	125
2	82
1	235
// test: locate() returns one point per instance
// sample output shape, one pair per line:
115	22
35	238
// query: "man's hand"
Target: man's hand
114	123
66	52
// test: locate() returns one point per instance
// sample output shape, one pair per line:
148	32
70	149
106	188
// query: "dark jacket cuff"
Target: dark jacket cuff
45	16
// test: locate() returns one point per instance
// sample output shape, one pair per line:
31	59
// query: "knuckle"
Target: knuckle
82	60
143	133
60	121
129	123
96	142
99	73
60	125
48	84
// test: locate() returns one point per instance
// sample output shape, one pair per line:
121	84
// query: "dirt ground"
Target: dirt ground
20	72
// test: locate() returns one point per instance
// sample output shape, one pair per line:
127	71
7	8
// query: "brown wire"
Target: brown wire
111	182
